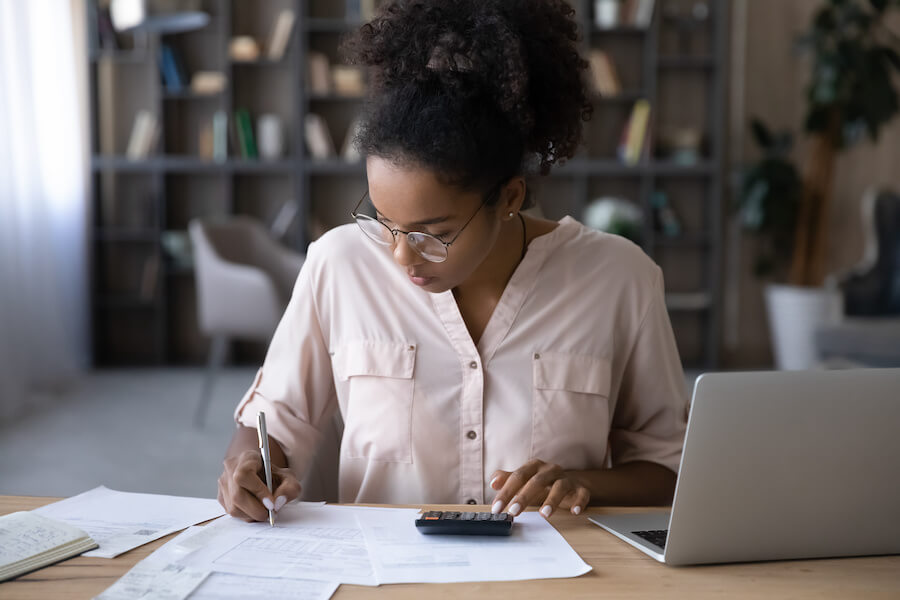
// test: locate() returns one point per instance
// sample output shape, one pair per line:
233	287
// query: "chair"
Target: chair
244	281
870	335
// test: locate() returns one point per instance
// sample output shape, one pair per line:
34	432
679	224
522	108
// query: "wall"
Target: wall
772	81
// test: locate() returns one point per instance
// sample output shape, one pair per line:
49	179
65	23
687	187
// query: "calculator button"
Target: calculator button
483	516
499	517
467	516
449	515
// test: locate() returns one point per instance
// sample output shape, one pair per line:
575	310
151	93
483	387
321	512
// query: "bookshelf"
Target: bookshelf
145	314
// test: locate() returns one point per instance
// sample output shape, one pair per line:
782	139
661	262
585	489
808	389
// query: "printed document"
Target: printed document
120	521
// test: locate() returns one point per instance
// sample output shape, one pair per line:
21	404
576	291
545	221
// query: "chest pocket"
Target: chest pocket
570	409
378	418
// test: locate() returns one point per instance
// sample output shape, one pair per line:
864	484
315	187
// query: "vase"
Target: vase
795	314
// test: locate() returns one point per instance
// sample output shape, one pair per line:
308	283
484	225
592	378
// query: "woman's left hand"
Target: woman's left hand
538	482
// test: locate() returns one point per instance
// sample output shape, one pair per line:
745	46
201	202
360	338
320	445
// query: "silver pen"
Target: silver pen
266	457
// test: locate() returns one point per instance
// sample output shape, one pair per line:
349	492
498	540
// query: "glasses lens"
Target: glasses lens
430	248
375	230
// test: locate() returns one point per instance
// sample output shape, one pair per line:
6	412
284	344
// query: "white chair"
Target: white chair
244	280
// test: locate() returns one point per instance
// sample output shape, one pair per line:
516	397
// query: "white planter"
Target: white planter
794	315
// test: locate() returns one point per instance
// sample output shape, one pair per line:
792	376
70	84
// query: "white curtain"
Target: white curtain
44	315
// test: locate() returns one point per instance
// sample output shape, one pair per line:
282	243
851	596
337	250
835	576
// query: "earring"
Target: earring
511	215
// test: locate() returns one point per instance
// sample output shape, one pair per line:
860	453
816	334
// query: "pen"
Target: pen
266	457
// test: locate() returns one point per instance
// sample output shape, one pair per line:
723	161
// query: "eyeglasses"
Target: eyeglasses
426	245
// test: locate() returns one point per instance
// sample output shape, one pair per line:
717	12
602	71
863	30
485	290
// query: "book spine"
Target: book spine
245	133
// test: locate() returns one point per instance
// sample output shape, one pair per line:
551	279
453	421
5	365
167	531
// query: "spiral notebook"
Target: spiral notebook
29	541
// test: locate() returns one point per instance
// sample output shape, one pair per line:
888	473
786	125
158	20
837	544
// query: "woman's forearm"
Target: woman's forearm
639	483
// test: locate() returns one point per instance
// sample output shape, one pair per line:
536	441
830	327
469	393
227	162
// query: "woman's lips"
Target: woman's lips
419	280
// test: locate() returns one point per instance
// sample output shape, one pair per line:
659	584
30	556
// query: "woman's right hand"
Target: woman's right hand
242	488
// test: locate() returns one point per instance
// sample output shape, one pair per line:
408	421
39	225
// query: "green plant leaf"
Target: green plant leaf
761	134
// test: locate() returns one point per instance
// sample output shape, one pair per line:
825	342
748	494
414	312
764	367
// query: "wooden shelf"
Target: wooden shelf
686	62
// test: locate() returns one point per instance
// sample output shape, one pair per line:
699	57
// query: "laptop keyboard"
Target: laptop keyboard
656	537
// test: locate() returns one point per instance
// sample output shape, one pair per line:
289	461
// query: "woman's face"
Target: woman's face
412	199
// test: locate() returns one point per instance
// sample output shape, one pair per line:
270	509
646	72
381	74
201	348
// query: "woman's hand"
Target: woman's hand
243	492
538	482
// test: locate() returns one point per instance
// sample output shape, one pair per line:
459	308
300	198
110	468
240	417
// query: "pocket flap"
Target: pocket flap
571	372
379	359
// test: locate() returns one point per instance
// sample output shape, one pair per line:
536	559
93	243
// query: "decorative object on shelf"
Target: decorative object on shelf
665	220
688	23
604	75
615	215
281	34
634	135
208	83
683	145
243	48
177	246
318	138
157	16
606	13
144	134
348	81
244	126
270	134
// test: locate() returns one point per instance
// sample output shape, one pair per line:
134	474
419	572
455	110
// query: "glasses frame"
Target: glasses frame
396	232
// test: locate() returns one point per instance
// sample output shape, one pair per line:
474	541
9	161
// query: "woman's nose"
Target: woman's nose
404	255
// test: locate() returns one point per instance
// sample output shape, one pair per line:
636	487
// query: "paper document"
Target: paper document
308	542
225	586
120	521
400	554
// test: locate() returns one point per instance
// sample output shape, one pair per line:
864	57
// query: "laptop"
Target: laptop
781	465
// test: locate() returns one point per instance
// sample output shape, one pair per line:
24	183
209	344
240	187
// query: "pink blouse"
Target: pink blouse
577	366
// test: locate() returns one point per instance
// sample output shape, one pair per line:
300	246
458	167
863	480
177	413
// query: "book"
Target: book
604	74
631	143
643	13
245	133
318	138
143	136
172	69
29	541
220	136
281	34
318	71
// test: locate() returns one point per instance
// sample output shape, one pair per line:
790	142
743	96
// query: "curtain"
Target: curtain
44	318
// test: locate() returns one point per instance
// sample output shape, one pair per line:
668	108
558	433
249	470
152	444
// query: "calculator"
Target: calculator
464	523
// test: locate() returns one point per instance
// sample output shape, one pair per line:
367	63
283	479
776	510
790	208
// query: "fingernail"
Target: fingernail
498	505
546	511
268	504
514	509
576	510
280	501
494	480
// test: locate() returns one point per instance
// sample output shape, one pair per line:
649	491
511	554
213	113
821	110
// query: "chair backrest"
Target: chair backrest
244	278
875	289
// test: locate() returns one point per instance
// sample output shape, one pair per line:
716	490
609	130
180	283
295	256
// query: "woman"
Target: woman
476	355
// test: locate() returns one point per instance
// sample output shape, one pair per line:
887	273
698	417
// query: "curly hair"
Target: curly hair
474	90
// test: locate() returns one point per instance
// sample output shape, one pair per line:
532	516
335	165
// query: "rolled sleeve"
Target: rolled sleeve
294	387
651	412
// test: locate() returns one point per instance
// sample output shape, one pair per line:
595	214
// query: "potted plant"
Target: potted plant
850	94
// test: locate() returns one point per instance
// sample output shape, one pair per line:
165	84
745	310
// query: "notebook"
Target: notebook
781	465
29	541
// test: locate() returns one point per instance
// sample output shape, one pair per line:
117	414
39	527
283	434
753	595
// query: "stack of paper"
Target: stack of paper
29	541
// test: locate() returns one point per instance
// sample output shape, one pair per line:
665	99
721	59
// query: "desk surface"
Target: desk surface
620	571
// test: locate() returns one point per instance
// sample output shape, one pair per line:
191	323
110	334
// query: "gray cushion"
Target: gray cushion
871	341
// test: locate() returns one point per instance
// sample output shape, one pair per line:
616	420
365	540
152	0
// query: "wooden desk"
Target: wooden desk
620	571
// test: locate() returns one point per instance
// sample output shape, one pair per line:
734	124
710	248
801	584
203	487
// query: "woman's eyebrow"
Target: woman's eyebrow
432	221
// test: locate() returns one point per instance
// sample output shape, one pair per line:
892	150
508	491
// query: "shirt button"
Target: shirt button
473	365
536	355
471	501
471	435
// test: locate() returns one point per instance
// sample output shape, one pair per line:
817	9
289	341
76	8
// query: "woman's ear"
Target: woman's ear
512	196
